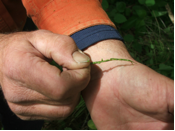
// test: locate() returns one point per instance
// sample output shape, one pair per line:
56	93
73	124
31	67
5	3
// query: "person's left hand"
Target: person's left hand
125	96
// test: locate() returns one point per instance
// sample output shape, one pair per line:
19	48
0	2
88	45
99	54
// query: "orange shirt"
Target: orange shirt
62	16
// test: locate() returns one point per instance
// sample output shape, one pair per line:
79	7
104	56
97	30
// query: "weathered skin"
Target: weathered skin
125	96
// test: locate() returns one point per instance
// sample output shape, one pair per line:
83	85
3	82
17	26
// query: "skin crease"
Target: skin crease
32	87
125	96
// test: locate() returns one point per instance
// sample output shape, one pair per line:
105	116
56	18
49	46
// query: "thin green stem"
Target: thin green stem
111	59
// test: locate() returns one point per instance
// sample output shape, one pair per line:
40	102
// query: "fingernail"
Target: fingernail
80	57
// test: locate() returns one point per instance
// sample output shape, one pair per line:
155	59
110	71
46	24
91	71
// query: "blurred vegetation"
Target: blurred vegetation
148	31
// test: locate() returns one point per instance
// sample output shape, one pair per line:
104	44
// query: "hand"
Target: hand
125	96
32	87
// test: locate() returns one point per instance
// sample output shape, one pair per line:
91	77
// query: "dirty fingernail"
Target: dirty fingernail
80	57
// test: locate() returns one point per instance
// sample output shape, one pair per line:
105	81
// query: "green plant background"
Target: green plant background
149	37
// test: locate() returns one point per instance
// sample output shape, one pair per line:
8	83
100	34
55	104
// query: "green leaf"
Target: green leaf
136	7
111	1
152	46
167	30
119	18
142	2
58	66
128	38
128	11
156	13
130	23
161	3
91	125
151	61
137	47
112	12
105	4
150	2
132	54
141	12
165	67
172	74
121	6
139	23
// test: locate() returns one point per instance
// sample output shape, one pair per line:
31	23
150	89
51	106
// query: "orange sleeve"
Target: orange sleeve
66	16
12	16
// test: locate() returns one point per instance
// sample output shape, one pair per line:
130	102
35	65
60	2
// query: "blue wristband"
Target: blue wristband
94	34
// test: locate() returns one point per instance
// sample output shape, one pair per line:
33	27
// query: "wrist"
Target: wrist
108	49
105	50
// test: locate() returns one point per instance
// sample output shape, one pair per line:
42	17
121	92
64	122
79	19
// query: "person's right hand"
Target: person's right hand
32	87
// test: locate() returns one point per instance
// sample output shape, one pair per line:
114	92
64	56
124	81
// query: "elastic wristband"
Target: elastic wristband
94	34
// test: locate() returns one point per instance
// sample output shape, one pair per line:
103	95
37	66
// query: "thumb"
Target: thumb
61	48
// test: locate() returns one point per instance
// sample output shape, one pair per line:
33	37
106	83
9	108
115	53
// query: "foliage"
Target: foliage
147	31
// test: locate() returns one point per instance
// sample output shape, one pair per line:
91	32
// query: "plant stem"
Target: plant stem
111	59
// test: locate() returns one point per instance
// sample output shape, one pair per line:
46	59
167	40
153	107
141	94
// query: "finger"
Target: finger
49	81
37	111
46	79
18	94
31	70
62	49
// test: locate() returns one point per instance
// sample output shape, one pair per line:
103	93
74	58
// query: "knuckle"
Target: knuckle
19	109
58	92
84	76
24	118
8	94
65	42
82	79
16	94
15	108
27	118
65	39
20	117
41	31
66	111
57	95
